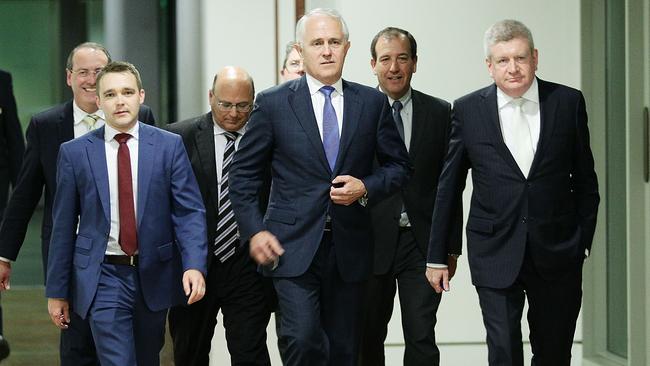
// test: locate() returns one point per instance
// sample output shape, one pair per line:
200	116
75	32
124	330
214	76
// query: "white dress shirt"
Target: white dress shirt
530	108
318	101
111	146
80	128
220	148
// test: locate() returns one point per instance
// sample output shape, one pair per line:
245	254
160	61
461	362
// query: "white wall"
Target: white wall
451	64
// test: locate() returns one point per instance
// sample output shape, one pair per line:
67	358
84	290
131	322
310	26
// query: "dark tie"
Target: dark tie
397	108
227	235
128	236
330	127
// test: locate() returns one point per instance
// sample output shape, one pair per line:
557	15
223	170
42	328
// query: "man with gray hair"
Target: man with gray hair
534	203
320	135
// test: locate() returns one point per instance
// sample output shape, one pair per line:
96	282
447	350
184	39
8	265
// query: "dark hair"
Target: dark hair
390	33
119	67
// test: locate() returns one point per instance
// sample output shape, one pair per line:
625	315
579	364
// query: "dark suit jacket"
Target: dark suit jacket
198	137
170	220
12	145
552	214
46	132
430	132
282	131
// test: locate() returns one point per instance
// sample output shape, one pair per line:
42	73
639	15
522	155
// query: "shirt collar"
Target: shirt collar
531	95
220	131
405	99
78	114
110	132
315	85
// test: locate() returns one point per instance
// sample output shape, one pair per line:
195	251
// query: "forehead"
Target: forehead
322	26
514	46
118	80
233	90
394	44
293	55
89	56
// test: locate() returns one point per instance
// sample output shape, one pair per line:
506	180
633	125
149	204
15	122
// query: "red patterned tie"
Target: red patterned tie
128	235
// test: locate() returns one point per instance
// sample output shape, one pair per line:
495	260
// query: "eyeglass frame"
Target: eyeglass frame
84	73
242	107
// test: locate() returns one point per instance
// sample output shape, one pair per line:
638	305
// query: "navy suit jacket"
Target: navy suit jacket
431	123
12	145
551	214
282	131
46	132
170	219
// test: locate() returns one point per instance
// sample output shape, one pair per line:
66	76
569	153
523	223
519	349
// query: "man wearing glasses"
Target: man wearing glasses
233	284
292	66
46	132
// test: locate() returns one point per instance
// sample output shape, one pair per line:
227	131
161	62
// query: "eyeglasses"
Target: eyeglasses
84	73
294	66
242	107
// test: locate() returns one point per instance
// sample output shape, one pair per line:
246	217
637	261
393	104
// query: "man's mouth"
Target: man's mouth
90	89
395	77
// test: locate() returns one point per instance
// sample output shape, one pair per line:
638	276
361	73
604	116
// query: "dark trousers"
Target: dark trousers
76	345
553	308
126	331
418	302
320	313
239	291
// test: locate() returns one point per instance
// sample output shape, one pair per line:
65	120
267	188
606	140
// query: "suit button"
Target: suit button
523	220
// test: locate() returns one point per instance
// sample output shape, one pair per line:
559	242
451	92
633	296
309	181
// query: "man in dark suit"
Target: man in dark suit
129	234
233	283
315	239
402	222
46	132
12	147
534	204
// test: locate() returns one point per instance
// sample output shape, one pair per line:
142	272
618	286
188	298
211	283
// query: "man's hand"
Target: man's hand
346	189
265	248
452	263
59	312
194	285
5	275
438	278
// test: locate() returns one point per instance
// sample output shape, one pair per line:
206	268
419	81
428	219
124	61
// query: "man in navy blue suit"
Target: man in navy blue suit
47	130
129	235
320	135
534	204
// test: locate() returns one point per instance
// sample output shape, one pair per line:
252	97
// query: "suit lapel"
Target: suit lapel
146	160
97	158
490	109
204	139
416	124
547	108
300	102
65	124
352	106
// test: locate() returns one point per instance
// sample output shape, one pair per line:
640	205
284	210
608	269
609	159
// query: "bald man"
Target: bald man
233	284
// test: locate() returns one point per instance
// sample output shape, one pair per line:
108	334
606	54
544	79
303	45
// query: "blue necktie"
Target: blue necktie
226	240
330	128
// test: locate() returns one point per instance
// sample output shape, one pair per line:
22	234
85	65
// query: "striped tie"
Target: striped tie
90	121
227	234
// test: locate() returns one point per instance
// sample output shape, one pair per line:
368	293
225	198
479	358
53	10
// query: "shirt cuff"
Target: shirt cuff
436	265
5	260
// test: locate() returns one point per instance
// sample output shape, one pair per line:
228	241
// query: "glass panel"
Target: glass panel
616	194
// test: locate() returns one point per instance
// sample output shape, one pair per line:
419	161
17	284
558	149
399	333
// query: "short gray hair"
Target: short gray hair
504	31
300	26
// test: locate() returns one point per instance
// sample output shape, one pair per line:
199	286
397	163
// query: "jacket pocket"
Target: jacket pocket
278	215
480	225
165	252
